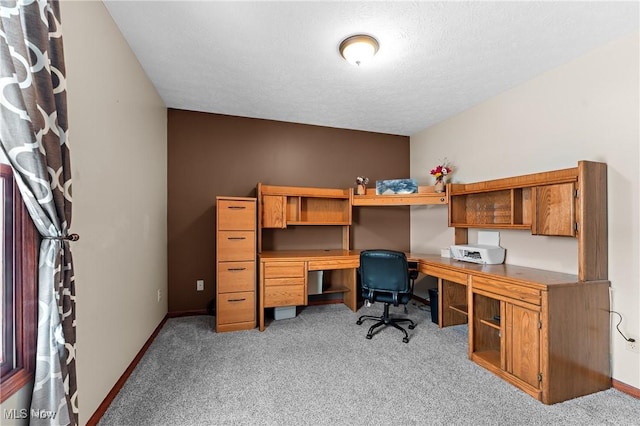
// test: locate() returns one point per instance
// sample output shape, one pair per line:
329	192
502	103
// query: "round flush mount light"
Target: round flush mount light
358	48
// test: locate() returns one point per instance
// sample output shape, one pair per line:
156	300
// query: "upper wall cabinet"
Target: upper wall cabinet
544	203
282	206
568	202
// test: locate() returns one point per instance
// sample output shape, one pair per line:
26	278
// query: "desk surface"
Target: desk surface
521	274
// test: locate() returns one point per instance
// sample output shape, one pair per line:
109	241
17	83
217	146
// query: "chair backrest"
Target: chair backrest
384	270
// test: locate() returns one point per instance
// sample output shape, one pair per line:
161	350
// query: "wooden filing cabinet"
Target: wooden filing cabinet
235	263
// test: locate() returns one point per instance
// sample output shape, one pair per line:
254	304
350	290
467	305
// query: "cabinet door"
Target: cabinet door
554	210
523	343
274	208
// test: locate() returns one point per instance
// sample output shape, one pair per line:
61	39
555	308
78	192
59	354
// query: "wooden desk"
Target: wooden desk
544	332
283	276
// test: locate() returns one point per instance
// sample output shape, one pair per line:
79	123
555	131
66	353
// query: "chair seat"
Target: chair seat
386	297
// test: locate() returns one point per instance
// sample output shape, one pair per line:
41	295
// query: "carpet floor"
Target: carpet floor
318	369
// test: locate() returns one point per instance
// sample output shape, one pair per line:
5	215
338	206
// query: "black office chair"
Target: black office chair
385	277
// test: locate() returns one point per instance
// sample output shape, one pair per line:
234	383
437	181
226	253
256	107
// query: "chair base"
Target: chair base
386	320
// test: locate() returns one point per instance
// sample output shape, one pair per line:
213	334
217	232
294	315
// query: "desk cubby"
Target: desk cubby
508	208
282	206
487	339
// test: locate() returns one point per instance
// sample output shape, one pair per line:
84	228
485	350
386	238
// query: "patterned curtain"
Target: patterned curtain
33	137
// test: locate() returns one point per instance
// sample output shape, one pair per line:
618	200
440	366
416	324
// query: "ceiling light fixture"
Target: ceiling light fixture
359	48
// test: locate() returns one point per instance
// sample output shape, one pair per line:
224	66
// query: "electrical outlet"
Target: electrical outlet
159	295
200	285
633	347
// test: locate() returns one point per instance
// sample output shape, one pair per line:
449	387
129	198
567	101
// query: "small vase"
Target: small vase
439	186
361	189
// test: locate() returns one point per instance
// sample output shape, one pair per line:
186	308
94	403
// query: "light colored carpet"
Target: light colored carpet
318	369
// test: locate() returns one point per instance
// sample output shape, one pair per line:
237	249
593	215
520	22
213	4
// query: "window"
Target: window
18	292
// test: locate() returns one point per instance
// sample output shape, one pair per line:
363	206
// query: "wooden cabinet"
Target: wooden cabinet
505	332
281	206
550	339
569	202
544	202
284	277
235	263
284	206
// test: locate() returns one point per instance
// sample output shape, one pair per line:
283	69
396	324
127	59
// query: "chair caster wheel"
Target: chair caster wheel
405	339
359	322
411	327
369	336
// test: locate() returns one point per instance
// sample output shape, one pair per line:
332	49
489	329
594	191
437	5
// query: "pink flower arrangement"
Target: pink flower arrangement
440	171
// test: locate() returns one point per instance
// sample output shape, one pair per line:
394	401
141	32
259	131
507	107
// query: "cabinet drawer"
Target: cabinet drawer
236	307
292	281
284	295
283	269
236	245
236	276
508	289
320	265
445	274
236	215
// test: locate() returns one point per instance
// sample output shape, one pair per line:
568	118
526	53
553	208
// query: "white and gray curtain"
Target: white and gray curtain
33	137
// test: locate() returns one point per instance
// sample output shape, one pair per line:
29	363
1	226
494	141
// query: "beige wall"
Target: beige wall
118	140
587	109
119	164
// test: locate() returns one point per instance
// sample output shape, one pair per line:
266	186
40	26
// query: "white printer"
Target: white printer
487	251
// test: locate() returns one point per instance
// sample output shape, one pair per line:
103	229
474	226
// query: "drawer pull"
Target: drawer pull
237	207
237	300
236	238
236	269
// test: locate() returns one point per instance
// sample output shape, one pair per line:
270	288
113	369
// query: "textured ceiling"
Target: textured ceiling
280	60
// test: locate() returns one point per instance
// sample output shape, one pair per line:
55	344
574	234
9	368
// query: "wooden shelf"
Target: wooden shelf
489	357
490	226
491	323
307	222
426	195
463	309
334	289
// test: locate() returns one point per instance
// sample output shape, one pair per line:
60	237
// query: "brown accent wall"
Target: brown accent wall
211	155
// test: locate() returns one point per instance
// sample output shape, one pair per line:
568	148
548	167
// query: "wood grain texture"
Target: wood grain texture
593	263
577	323
554	210
452	295
523	181
235	263
426	195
